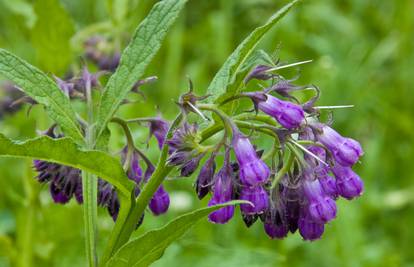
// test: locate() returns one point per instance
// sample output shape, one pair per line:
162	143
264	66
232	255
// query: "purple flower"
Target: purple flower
205	177
276	231
253	171
259	73
288	114
321	207
348	183
135	171
222	193
58	195
159	128
184	138
191	165
309	229
160	201
257	196
329	185
346	151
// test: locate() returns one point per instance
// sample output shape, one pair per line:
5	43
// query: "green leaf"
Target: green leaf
149	247
65	151
51	36
136	57
228	72
42	89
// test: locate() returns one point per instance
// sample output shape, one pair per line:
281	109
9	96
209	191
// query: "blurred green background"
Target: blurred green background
362	54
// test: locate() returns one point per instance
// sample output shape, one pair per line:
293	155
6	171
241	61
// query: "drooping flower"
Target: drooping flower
288	114
309	229
205	177
252	170
321	207
257	196
160	201
159	128
190	166
222	192
346	151
348	183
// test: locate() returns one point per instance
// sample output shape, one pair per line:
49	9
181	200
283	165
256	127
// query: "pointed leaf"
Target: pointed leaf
65	151
136	57
228	72
44	90
150	246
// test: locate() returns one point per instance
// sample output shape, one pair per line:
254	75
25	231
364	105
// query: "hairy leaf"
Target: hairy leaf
51	36
149	247
228	72
65	151
42	89
136	57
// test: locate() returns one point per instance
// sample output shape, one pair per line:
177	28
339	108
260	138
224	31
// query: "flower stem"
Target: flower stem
90	190
130	215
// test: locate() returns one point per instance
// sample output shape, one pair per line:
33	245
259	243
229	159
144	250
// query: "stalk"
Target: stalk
90	190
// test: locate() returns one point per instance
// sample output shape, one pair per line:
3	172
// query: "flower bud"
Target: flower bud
288	114
191	165
259	73
348	183
257	196
160	201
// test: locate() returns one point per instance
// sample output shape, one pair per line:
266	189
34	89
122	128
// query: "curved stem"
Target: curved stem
284	169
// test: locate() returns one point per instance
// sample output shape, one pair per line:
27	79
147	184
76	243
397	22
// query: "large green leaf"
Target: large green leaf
42	89
149	247
51	36
219	87
65	151
135	58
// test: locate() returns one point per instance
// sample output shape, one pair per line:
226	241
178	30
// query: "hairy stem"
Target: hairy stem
90	190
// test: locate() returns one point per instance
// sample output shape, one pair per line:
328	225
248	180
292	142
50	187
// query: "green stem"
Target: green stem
90	190
129	216
284	169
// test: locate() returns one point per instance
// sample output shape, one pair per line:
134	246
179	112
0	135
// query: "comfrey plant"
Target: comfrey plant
290	187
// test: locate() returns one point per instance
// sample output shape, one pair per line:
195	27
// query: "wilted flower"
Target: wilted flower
259	73
205	177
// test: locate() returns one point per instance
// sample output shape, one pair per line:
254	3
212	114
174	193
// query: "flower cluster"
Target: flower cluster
296	192
66	182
